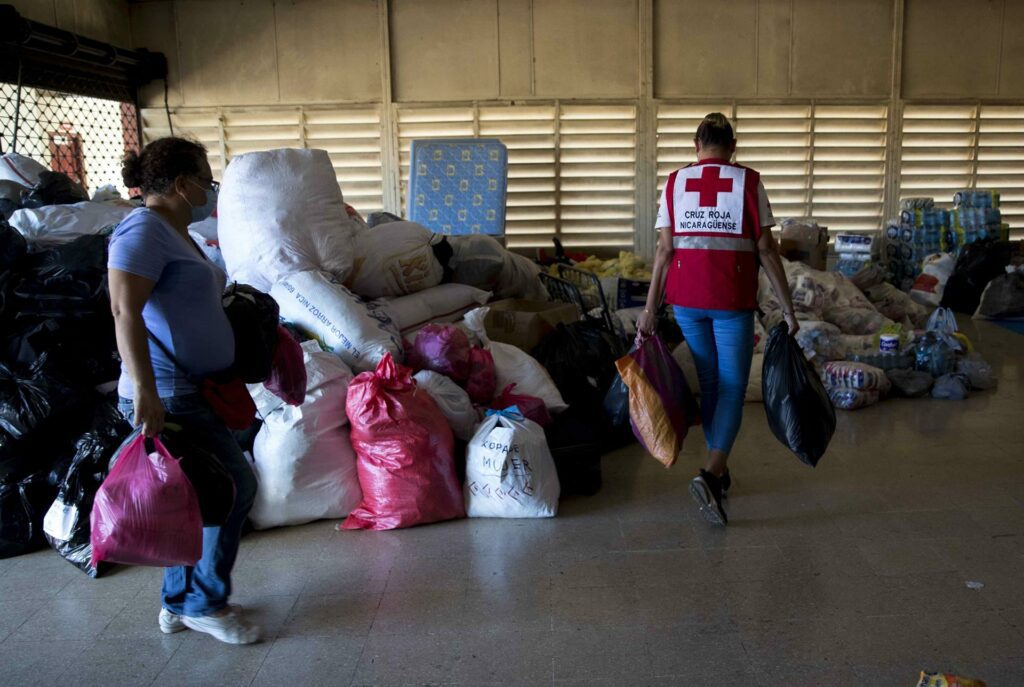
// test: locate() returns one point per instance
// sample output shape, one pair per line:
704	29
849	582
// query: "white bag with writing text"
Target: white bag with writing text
509	470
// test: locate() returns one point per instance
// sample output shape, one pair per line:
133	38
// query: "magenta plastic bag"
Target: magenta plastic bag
530	407
483	376
146	511
288	372
441	348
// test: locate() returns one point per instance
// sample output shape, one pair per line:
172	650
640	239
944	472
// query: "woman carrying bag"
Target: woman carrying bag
166	300
714	228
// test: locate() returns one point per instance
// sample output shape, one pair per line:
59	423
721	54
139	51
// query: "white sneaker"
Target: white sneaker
170	622
229	628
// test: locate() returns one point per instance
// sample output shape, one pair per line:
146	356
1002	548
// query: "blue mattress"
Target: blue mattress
457	186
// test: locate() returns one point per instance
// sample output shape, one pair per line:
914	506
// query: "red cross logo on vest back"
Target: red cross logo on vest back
709	186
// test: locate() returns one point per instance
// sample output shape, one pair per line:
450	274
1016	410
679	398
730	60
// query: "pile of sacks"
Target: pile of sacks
458	431
837	318
284	228
394	385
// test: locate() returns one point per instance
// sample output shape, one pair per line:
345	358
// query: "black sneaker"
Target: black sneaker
706	490
726	482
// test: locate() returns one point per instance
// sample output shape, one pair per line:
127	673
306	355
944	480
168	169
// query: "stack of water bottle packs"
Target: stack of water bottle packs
976	217
920	230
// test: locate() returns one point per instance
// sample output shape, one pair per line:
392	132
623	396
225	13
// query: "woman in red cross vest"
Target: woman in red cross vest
714	224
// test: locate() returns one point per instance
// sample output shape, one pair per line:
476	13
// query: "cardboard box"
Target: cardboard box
806	243
524	324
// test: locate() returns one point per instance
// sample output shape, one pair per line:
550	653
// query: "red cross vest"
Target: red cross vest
713	209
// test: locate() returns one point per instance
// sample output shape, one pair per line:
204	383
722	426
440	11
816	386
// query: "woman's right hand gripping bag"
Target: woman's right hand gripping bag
661	406
799	411
146	512
404	452
509	469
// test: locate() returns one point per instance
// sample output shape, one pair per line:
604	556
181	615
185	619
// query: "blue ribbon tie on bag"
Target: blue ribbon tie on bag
512	413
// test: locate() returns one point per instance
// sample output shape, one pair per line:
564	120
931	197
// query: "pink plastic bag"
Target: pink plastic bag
404	452
530	407
288	372
146	511
483	377
441	348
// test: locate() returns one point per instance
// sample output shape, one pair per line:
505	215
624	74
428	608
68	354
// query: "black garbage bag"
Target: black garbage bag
1003	297
979	263
616	403
576	449
254	317
82	351
799	411
84	256
580	357
13	246
53	188
37	408
66	525
23	505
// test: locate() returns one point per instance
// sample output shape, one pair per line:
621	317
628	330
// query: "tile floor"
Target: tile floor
853	573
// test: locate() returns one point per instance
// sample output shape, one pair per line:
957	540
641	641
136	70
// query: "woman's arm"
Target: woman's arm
648	320
772	264
128	296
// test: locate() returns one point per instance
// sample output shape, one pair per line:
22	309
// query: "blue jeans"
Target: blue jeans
722	344
205	588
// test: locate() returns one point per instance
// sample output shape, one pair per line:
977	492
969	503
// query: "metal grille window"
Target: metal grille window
351	136
820	161
572	168
83	137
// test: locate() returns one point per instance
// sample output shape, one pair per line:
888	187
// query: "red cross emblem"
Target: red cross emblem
709	186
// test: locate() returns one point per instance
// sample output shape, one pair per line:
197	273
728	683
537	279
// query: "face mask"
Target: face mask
201	212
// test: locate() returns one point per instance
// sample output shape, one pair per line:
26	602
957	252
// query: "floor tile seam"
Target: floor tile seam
362	650
166	663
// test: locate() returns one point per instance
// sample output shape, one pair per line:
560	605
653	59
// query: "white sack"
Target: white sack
440	304
55	224
359	332
304	460
515	366
207	228
20	169
210	250
520	279
510	472
931	283
281	212
453	401
395	259
477	260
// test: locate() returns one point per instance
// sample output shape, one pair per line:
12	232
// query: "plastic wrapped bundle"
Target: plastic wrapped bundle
845	398
855	376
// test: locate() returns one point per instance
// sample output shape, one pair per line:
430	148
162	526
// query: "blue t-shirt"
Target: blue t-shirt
184	311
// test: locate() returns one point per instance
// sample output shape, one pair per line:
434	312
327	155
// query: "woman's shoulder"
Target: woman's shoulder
140	222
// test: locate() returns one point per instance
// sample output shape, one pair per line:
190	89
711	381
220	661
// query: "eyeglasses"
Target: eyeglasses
210	184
